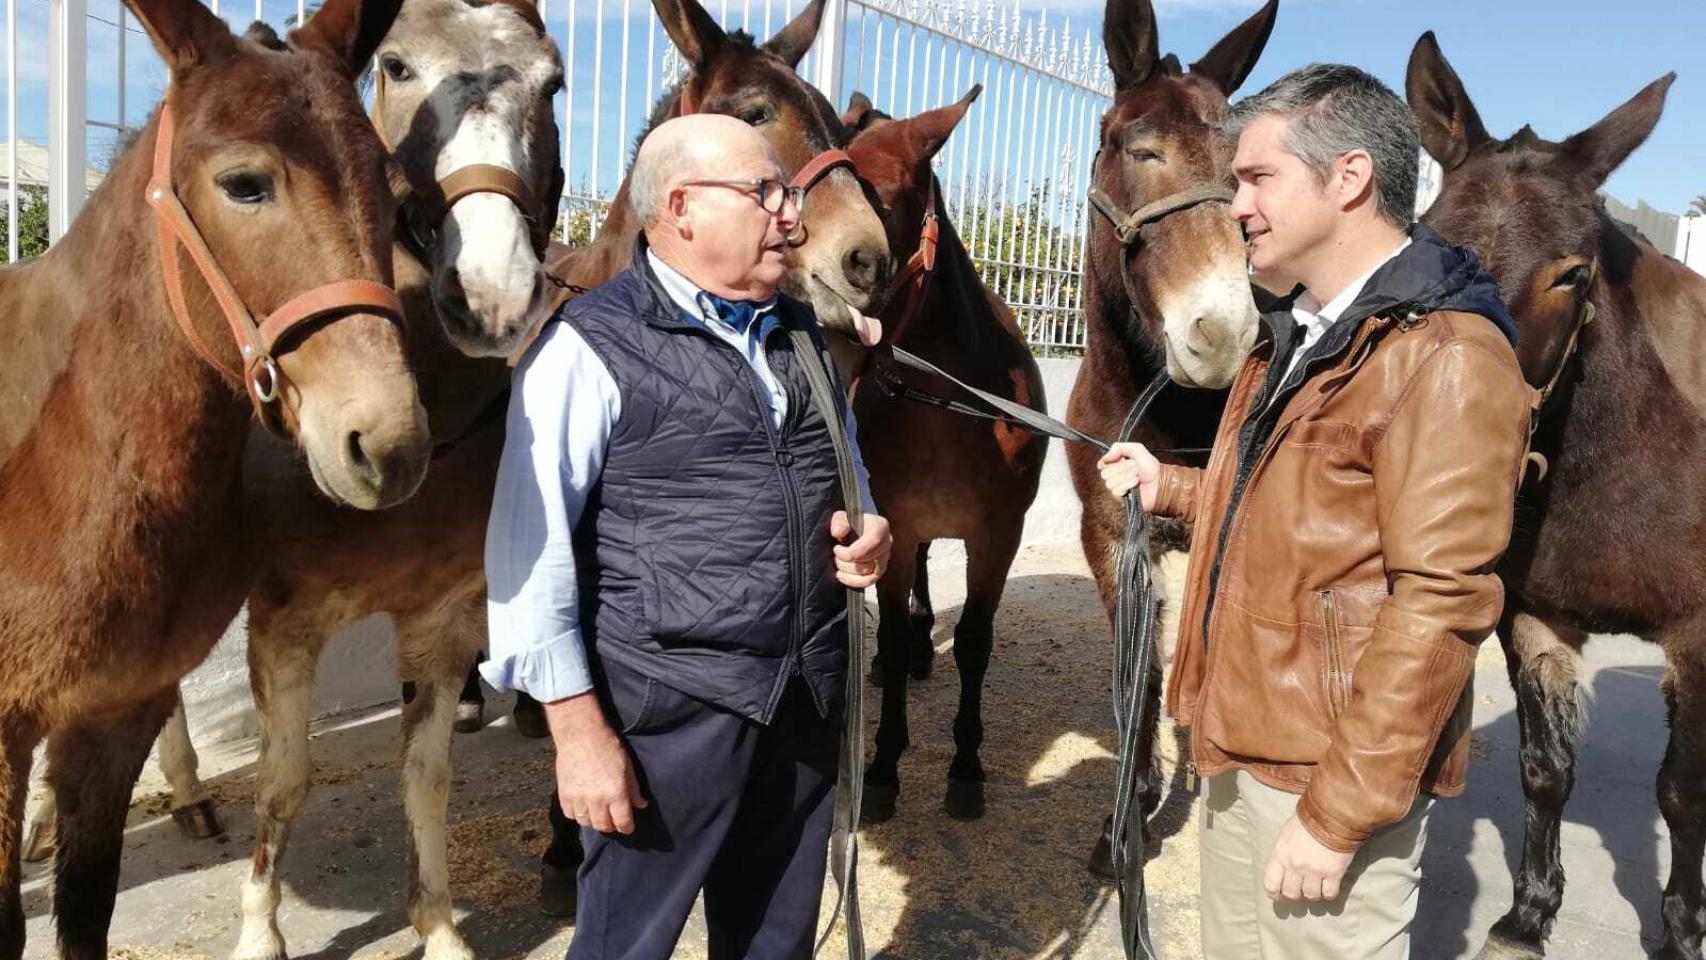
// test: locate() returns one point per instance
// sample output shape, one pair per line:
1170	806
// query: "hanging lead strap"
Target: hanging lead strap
850	776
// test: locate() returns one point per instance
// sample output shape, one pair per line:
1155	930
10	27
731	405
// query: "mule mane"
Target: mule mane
266	36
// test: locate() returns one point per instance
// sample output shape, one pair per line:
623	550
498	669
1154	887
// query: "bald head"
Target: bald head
701	146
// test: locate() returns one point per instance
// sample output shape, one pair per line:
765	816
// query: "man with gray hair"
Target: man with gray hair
667	559
1346	528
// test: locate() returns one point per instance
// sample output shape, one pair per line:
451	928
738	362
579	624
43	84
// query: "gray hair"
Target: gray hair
1332	109
654	173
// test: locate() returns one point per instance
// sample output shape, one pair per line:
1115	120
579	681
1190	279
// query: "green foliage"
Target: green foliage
1699	204
32	220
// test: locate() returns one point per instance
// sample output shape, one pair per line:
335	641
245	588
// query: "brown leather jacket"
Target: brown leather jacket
1327	645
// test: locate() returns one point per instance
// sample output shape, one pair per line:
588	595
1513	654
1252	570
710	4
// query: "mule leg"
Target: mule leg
471	704
17	743
921	616
434	657
1545	668
1682	799
894	636
558	896
39	820
282	661
93	768
988	558
192	809
922	613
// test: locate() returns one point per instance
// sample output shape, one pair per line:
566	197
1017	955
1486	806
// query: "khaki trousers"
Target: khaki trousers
1240	818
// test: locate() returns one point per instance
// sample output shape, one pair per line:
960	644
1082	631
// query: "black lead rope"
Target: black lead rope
1134	630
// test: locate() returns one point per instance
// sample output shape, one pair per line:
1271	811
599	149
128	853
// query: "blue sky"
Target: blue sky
1558	64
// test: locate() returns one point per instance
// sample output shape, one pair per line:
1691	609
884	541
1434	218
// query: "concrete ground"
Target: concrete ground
1010	886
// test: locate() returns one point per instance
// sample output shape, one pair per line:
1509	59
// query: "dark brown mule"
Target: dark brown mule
1609	540
937	474
122	530
841	258
1174	294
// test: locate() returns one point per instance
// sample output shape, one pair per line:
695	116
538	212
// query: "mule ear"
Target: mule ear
792	41
691	29
1128	34
185	32
349	30
927	132
1603	147
1449	123
1230	61
858	107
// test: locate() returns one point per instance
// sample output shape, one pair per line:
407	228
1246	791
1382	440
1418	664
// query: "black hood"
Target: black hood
1431	275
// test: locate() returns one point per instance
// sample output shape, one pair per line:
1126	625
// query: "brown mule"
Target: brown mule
841	258
465	99
122	529
1170	294
1609	525
937	474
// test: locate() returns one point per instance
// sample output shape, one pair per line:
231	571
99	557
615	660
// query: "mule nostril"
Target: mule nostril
861	265
1205	331
361	464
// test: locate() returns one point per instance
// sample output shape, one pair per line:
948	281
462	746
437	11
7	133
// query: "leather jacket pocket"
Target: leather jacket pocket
1337	666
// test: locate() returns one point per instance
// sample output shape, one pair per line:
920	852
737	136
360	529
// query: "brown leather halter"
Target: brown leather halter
1585	314
1128	227
424	216
259	375
912	284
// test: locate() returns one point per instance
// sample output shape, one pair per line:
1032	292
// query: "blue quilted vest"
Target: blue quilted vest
704	549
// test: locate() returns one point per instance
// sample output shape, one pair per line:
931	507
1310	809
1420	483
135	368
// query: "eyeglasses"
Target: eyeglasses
771	194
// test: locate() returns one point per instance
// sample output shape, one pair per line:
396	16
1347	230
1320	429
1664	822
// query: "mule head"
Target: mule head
840	256
894	159
1528	207
463	86
1189	289
291	189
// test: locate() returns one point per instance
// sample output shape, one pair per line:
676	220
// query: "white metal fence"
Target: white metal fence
1013	175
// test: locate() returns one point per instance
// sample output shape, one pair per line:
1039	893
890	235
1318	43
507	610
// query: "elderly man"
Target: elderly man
1360	491
666	560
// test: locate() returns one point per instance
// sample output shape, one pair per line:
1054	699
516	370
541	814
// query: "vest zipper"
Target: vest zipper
796	548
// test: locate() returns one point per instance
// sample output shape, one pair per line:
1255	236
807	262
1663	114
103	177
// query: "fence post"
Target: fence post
66	181
831	50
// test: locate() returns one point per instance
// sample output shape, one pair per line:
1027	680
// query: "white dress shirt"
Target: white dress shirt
563	407
1315	318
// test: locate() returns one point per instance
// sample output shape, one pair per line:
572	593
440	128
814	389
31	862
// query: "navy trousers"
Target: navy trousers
737	809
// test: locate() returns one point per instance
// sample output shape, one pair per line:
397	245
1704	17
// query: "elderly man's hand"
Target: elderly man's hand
860	564
595	777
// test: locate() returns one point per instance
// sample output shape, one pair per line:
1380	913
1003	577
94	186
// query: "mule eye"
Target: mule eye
246	188
1140	154
1575	277
555	86
396	69
755	116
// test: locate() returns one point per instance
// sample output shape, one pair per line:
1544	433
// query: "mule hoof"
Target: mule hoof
470	717
39	841
964	800
1102	859
922	664
880	801
1498	948
447	944
557	893
199	821
529	719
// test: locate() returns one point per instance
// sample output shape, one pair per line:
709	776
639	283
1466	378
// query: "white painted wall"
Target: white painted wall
359	670
1691	242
